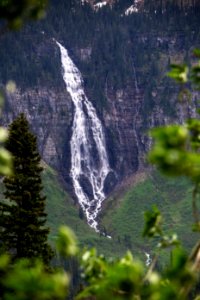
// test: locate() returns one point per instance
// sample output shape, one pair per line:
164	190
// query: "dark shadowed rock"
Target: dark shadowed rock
86	186
110	182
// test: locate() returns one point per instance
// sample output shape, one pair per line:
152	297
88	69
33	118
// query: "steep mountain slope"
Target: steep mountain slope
123	61
62	210
123	64
123	216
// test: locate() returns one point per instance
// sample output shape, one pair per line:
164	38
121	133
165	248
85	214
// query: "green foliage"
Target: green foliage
5	157
61	210
196	75
107	278
120	279
152	222
124	214
29	280
126	278
23	216
16	12
179	73
170	151
182	73
66	242
175	147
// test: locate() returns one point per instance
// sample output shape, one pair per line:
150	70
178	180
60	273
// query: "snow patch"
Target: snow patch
134	8
99	5
131	9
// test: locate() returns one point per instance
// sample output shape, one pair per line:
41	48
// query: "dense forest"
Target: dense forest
107	40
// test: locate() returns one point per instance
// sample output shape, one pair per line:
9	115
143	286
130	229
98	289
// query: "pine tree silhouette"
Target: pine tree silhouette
23	217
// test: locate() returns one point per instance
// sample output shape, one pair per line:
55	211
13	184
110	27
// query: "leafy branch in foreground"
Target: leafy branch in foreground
128	278
17	12
30	280
176	147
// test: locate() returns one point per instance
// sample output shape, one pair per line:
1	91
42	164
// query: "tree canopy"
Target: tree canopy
16	12
23	215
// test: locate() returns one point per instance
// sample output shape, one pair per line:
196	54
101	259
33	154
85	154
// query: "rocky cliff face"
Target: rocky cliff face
127	127
50	114
147	99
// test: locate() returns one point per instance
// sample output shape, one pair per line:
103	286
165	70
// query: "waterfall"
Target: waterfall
148	259
89	160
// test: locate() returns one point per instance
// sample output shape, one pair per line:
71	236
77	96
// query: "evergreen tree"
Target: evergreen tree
23	217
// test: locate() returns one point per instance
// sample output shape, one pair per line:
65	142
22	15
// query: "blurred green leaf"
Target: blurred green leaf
168	241
3	134
5	162
195	75
153	220
119	279
29	280
196	52
179	73
11	86
17	12
4	261
174	150
66	242
196	227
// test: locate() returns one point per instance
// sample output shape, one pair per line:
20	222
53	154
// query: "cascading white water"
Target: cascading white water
148	259
89	160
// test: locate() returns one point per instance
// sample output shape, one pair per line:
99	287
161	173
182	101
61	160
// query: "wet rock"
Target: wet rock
110	182
86	186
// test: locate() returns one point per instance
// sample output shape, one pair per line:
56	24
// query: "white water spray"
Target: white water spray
89	161
148	259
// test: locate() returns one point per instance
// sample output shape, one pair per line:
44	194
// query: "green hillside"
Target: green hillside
123	216
61	210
